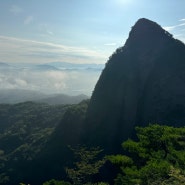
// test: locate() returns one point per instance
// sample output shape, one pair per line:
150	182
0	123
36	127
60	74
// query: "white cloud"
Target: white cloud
68	82
22	50
28	20
183	24
16	9
177	30
182	20
170	28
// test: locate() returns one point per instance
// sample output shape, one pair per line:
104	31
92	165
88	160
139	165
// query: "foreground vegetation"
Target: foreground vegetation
31	139
156	157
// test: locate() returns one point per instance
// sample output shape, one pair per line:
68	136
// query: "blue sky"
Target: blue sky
78	31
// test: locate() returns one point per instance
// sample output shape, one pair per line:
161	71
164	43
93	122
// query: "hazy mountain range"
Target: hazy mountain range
13	96
50	78
52	66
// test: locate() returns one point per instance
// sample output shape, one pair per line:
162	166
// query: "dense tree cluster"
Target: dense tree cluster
156	158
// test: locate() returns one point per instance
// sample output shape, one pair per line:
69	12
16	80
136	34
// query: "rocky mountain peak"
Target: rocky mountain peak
146	34
143	82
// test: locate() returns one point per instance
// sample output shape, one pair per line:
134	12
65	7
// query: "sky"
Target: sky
78	31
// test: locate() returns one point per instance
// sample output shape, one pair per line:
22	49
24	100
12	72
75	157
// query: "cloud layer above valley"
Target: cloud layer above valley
71	82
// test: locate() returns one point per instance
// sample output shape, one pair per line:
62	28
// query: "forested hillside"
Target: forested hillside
35	139
57	155
24	130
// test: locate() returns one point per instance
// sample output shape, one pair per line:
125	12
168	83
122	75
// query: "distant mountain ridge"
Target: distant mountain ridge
45	67
55	66
13	96
2	64
59	99
143	82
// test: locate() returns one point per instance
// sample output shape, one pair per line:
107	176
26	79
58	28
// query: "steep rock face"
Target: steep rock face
143	82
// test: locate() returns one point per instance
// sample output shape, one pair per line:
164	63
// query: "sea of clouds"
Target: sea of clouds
49	81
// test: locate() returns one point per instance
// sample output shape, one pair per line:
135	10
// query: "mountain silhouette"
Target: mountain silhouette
143	82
